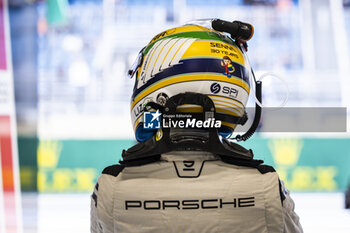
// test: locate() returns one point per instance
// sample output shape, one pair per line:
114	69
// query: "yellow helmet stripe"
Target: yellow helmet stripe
193	108
232	126
189	108
220	106
220	98
187	78
233	112
227	104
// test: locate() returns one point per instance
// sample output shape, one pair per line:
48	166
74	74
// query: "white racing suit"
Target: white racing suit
191	192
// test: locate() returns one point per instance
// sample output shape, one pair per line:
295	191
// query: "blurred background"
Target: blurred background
69	65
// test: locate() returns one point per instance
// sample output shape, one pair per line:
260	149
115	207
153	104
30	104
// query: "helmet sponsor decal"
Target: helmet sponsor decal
140	108
215	88
226	90
224	49
163	34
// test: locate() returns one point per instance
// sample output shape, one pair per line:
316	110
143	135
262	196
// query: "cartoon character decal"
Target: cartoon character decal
227	63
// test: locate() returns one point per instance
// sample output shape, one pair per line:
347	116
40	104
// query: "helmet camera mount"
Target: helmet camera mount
239	31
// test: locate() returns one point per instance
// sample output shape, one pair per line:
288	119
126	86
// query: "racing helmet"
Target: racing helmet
191	58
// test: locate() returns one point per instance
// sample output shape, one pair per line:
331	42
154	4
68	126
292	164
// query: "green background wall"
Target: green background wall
305	164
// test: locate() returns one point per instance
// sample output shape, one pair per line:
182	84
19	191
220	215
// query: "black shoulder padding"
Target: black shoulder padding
265	168
94	197
240	162
262	168
140	162
136	147
113	170
282	196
